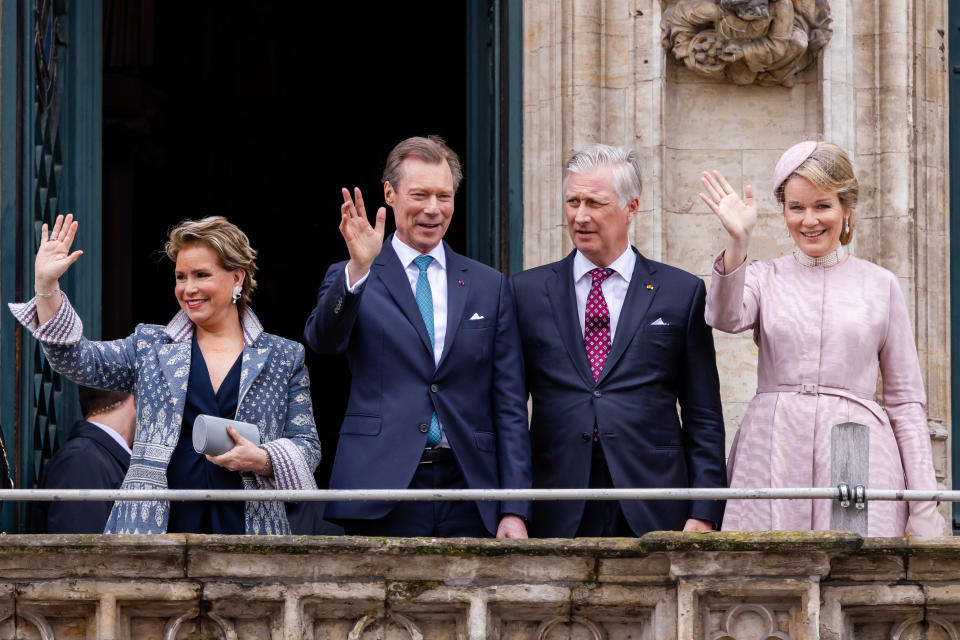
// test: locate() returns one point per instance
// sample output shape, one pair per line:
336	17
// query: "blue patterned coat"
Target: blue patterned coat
153	364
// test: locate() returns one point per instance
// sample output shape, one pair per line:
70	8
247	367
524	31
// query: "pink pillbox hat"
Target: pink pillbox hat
791	159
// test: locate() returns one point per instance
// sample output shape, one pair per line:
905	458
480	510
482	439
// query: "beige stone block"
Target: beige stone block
733	413
770	238
758	172
692	241
894	126
863	567
723	116
682	169
647	116
865	128
864	17
737	366
652	568
888	243
68	556
617	115
864	58
696	566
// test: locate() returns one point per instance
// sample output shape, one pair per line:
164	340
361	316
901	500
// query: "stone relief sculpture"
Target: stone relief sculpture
766	42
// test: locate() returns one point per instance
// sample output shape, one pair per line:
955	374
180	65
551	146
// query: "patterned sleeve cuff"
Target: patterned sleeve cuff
64	328
290	469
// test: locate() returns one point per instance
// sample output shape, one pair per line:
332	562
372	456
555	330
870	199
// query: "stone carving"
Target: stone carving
766	42
402	621
596	631
766	630
46	631
937	628
173	625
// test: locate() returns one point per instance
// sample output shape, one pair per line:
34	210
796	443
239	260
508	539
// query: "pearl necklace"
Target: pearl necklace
831	259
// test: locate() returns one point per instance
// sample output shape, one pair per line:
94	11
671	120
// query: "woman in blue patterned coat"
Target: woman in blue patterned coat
212	358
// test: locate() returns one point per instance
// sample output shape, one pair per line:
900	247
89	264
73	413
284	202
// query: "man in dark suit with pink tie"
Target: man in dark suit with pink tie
613	343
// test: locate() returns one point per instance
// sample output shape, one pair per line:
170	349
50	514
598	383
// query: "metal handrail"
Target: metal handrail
429	495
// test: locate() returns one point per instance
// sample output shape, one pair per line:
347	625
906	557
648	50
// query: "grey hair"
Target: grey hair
623	160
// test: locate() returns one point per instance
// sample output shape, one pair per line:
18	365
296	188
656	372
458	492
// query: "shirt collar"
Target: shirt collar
113	434
406	253
180	328
623	265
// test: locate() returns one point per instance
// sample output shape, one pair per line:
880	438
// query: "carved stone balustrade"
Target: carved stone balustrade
718	586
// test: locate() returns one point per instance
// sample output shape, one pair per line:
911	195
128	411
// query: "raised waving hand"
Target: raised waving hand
363	241
737	216
53	260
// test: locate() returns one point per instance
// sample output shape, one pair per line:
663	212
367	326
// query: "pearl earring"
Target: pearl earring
846	222
237	292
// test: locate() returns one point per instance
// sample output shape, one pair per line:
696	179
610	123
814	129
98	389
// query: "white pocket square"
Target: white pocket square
476	316
659	323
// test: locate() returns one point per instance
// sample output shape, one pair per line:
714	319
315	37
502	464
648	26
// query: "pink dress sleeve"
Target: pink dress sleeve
733	302
904	400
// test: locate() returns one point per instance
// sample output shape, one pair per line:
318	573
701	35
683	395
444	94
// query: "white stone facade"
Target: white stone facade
595	71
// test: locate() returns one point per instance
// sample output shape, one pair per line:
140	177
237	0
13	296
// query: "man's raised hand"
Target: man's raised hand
363	241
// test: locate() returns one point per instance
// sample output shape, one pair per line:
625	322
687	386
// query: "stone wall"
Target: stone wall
595	70
716	586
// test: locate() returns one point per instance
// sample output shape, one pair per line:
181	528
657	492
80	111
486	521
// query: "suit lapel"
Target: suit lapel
635	305
456	297
388	268
563	300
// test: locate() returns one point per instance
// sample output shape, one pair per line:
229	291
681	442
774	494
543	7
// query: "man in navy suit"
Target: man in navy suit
613	343
95	456
437	397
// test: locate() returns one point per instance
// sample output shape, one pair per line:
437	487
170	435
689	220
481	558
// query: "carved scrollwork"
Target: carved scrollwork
401	621
173	625
768	621
767	42
937	629
37	620
596	631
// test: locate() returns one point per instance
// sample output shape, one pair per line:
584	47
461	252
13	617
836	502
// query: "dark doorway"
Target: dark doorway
261	111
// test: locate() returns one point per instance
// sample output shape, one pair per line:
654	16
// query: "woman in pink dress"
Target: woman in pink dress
826	323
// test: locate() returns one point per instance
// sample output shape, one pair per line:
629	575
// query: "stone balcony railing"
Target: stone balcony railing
716	586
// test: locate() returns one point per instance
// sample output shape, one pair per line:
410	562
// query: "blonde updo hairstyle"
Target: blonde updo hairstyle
829	169
226	239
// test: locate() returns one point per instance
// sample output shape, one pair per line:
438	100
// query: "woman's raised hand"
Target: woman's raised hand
53	256
737	216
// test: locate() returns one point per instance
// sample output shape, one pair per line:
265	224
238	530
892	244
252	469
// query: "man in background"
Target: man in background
96	456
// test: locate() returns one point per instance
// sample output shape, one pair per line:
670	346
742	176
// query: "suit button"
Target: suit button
597	394
586	436
434	388
424	428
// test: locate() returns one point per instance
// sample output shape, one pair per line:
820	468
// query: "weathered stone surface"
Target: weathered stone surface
664	586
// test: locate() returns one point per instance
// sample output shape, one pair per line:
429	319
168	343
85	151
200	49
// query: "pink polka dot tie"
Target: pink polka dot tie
596	329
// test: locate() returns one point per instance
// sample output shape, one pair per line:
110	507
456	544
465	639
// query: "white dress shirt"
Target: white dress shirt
113	434
614	287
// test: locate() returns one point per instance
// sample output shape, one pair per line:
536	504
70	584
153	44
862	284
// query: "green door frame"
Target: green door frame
494	157
71	183
953	37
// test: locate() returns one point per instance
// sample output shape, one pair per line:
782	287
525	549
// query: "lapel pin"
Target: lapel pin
460	282
650	286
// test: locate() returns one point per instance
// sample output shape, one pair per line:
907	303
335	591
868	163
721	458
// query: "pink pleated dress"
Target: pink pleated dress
824	334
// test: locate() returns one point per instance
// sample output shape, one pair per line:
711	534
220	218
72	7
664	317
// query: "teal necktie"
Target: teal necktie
425	304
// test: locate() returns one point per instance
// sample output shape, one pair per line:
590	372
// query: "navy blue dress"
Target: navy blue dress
191	470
